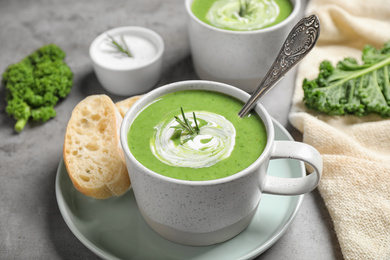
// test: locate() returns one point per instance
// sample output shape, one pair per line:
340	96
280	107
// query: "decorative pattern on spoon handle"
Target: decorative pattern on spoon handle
298	43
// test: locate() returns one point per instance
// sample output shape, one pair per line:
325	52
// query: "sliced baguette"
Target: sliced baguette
125	104
92	151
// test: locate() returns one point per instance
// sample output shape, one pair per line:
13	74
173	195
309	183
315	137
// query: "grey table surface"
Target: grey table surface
31	226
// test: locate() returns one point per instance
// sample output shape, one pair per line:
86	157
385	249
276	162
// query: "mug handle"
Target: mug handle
294	186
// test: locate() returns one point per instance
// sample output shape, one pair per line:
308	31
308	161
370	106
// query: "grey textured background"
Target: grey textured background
31	226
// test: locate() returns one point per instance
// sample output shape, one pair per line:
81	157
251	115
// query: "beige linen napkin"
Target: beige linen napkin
356	151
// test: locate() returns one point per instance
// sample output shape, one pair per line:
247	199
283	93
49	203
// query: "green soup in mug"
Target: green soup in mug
224	145
242	15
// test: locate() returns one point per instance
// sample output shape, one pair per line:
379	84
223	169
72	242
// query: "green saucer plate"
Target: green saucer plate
114	229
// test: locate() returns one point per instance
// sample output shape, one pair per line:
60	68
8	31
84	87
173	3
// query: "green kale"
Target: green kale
36	84
352	88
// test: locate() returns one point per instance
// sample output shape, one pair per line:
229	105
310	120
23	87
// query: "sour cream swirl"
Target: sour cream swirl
225	14
214	142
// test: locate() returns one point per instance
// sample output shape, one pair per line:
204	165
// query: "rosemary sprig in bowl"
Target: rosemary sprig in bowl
124	49
244	7
185	124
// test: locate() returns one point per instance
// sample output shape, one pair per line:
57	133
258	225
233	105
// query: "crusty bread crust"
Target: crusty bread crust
125	104
92	151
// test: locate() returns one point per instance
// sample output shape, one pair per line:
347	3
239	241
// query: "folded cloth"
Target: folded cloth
355	184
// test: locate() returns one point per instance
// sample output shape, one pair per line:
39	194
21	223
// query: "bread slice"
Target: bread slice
92	151
124	105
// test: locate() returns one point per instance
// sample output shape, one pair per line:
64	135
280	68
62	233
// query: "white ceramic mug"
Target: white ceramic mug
208	212
238	58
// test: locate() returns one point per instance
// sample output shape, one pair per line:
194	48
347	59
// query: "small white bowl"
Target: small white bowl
124	75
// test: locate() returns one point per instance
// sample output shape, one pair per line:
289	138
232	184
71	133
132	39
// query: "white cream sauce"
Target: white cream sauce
108	55
214	142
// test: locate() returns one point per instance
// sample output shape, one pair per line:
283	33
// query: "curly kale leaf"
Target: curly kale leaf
352	88
36	84
20	110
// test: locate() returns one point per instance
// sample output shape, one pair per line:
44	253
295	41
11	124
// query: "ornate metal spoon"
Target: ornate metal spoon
299	42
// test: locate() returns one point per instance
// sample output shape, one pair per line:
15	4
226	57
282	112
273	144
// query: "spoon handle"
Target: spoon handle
299	42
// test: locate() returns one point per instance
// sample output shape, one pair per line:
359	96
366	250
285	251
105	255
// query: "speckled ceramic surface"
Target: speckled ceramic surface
115	229
239	58
208	212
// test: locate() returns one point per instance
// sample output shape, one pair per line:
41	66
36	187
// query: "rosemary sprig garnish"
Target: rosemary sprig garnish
244	7
124	49
196	123
185	124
